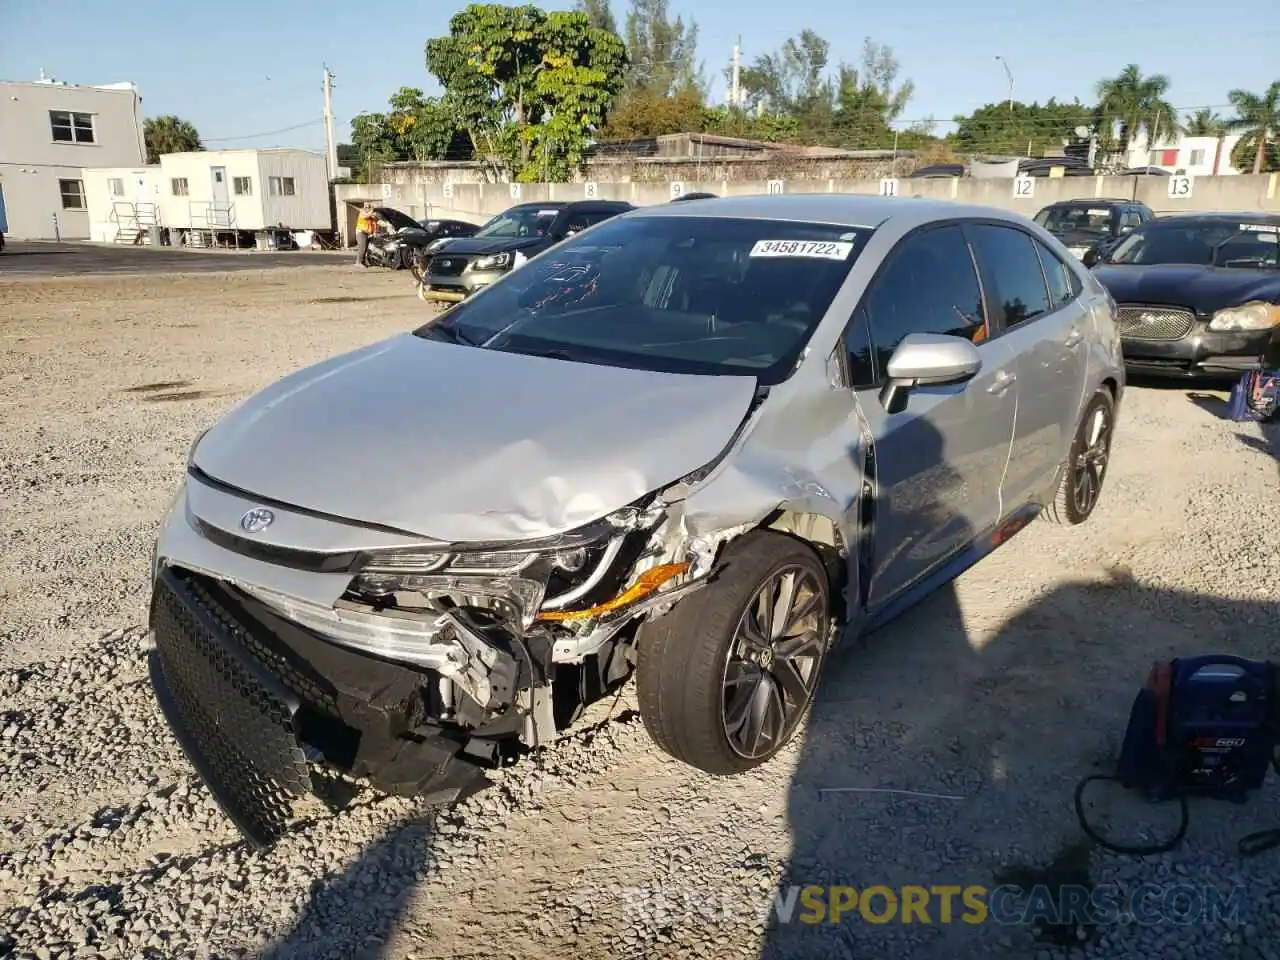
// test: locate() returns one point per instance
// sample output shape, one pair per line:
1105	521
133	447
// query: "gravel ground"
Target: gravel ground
985	704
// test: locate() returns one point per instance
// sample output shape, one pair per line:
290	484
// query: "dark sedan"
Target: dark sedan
1198	295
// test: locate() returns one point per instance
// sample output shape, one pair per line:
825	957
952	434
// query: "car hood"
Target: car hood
460	444
478	246
1202	289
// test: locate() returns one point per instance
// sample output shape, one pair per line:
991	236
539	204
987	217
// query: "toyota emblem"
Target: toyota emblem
257	520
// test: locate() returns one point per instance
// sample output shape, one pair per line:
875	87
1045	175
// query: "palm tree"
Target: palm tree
169	134
1257	119
1205	123
1133	105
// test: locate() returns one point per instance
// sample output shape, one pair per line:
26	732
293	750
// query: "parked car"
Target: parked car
404	238
1198	294
696	443
693	196
1093	223
462	267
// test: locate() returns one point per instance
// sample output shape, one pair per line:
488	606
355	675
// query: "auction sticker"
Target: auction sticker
821	249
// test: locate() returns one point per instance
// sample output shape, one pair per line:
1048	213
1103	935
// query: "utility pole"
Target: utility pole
735	87
330	145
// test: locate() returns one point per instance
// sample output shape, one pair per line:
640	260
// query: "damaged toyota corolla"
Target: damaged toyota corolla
695	444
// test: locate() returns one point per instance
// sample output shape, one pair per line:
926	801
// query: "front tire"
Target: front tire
1086	464
726	679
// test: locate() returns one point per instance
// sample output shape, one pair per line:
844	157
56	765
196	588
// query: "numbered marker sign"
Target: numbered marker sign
1180	187
515	191
1024	188
889	187
386	191
775	186
448	190
677	189
590	191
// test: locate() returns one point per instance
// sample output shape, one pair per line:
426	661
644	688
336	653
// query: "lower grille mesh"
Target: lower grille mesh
1154	323
237	725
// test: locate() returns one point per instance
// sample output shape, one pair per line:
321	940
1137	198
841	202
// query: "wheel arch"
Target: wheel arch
823	536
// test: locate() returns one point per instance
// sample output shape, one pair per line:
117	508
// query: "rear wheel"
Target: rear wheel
1086	465
726	679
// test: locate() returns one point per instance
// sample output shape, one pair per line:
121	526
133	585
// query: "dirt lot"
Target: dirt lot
981	708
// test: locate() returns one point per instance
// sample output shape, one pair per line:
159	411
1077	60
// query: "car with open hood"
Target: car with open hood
458	268
1094	223
1198	294
699	445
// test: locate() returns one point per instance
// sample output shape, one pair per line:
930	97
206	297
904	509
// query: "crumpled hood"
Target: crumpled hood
459	443
1200	288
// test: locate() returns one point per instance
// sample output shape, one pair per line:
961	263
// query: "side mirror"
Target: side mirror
1091	257
927	359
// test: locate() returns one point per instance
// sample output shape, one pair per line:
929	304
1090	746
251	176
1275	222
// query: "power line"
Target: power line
265	133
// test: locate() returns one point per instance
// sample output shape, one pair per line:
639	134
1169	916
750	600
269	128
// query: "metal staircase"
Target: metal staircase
210	222
133	221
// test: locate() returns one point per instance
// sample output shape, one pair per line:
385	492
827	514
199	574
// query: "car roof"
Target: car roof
1252	216
1094	202
841	209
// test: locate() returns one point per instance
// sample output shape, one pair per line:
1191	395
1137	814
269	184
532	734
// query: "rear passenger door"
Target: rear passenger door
1033	299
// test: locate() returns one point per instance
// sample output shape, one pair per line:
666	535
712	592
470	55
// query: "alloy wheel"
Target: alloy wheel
1091	463
773	662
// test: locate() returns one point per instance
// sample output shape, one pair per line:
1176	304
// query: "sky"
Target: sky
248	73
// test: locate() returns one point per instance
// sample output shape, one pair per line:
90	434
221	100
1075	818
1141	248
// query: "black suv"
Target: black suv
460	267
1093	224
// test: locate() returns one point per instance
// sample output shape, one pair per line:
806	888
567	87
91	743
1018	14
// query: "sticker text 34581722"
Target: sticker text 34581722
822	249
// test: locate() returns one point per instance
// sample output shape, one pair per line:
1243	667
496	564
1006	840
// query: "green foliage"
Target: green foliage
662	52
414	128
528	87
169	134
1131	104
1004	128
1258	121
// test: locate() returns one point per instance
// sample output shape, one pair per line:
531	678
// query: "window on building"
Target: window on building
71	127
1153	158
178	186
243	186
280	186
116	186
1197	158
72	194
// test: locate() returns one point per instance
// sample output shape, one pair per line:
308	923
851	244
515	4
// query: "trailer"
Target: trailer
244	197
123	204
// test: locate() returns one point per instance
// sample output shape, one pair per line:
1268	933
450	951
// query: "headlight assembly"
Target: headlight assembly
497	261
1256	315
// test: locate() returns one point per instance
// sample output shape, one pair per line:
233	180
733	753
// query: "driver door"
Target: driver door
939	460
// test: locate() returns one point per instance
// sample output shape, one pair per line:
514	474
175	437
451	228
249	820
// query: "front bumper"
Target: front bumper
452	288
1204	353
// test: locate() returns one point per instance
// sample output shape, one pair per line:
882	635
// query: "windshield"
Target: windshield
1208	242
520	222
1081	219
674	294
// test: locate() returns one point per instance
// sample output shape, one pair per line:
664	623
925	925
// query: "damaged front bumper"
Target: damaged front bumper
410	666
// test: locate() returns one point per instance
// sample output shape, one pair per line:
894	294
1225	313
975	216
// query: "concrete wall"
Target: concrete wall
32	162
479	201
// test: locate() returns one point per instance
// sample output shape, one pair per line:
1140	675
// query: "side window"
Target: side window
861	361
1011	272
928	286
1063	285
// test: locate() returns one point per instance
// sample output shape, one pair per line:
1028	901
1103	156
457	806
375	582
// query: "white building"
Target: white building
122	203
1194	156
220	192
49	132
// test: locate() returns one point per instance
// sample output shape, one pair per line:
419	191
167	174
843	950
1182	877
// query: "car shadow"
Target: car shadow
985	731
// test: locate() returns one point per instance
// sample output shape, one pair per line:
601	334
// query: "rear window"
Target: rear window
677	294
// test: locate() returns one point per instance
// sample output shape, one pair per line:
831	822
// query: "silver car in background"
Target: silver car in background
697	444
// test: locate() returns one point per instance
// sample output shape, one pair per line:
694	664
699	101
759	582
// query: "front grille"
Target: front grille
447	266
1154	323
237	724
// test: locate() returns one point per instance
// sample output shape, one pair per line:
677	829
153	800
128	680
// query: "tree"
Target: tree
1257	120
646	115
528	87
663	53
169	134
414	128
1019	128
599	13
1205	123
1130	104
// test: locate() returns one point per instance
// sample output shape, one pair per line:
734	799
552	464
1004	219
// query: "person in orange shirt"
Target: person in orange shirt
366	225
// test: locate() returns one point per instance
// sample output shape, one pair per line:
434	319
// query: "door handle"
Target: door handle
1003	381
1074	337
